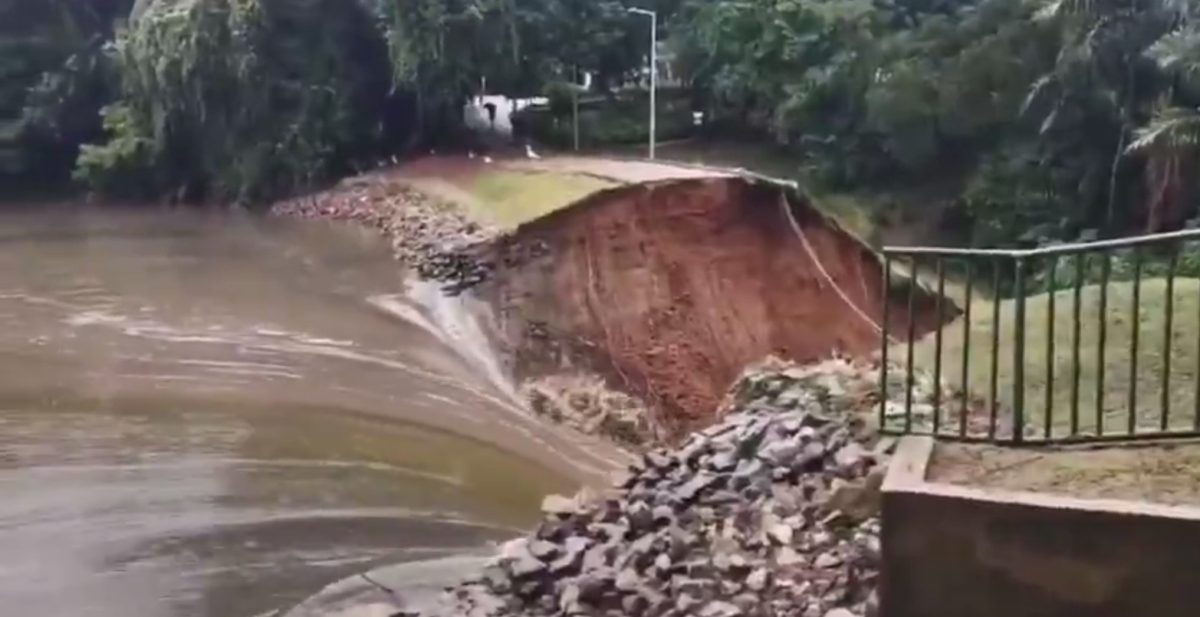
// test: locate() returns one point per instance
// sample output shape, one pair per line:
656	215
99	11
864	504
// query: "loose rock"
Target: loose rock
774	510
433	238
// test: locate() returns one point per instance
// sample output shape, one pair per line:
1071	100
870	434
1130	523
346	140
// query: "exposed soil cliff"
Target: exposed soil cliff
669	289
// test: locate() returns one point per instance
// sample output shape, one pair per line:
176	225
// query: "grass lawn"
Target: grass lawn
509	197
1106	410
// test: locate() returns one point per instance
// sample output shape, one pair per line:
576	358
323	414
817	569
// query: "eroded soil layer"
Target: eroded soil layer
668	289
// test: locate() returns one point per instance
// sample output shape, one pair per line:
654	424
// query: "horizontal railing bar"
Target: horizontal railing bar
946	251
1058	249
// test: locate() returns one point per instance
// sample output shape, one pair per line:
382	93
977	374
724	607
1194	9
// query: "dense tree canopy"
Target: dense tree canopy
1032	120
53	80
246	99
1041	120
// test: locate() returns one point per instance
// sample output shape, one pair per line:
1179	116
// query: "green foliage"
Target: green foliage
265	96
620	120
53	80
1047	120
1052	118
1012	192
246	99
239	99
119	166
561	98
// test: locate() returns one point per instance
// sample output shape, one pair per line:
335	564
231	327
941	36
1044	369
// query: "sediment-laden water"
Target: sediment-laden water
216	416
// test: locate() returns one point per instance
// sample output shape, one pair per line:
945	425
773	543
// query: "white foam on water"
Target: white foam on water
448	320
451	320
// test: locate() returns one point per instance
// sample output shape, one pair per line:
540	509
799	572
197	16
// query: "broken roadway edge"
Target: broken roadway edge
438	239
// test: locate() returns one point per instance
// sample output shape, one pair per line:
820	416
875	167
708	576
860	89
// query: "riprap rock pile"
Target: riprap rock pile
438	241
772	511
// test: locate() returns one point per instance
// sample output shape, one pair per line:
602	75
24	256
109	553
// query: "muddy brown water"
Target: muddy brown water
208	415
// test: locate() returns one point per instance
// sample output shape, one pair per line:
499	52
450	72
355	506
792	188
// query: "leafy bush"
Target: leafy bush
54	78
1014	199
124	165
241	100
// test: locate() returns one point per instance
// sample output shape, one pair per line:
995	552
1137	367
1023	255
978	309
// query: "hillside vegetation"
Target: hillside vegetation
999	122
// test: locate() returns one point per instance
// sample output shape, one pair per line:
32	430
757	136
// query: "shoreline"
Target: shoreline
439	242
772	509
431	236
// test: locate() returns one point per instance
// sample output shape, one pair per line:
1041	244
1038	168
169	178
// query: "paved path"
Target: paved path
619	170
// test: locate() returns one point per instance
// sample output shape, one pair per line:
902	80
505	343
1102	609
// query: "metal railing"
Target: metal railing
1088	342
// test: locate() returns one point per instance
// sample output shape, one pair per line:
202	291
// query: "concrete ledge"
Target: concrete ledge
958	551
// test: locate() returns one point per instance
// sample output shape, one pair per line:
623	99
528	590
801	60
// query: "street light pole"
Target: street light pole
653	73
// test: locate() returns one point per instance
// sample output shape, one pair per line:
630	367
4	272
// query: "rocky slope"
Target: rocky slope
771	511
434	238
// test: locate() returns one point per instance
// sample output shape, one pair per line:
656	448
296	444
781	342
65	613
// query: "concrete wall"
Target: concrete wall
954	551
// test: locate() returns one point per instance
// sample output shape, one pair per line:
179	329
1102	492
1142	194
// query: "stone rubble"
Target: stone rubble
433	238
771	511
586	404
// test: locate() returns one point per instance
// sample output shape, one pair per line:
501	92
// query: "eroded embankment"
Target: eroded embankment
669	289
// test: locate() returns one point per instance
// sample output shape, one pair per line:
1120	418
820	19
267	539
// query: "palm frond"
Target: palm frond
1039	91
1178	51
1173	128
1052	9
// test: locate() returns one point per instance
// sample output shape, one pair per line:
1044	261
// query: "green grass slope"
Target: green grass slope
511	197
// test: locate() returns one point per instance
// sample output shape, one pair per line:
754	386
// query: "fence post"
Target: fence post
1051	350
910	376
1131	423
883	339
994	378
1077	341
939	315
1018	417
1164	400
965	376
1102	340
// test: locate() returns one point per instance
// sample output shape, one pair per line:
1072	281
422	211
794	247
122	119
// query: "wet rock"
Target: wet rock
774	510
780	533
720	608
541	549
559	505
587	404
628	580
433	238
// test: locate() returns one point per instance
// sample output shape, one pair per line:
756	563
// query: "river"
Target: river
216	415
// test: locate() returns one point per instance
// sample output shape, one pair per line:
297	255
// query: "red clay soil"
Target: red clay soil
669	289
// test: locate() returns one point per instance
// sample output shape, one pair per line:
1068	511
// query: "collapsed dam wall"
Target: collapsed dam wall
668	289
